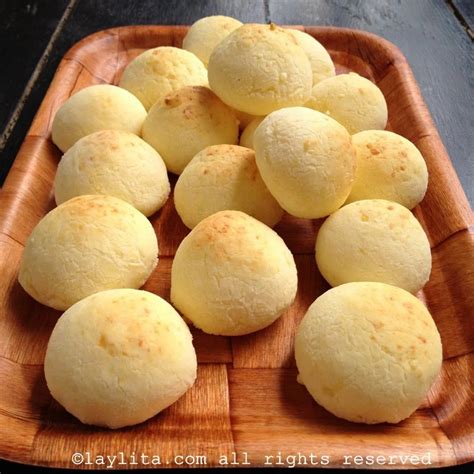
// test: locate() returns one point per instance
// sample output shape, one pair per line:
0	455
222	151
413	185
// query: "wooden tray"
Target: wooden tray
246	398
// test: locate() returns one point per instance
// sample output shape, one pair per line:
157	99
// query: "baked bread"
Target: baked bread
368	352
115	163
87	244
187	121
246	138
306	159
224	177
119	357
206	33
260	68
388	167
232	275
159	71
322	66
94	108
243	118
352	100
374	240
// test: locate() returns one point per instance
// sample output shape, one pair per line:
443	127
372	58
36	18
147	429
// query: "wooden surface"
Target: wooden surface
246	397
430	33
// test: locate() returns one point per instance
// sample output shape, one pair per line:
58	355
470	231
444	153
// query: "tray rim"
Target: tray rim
399	61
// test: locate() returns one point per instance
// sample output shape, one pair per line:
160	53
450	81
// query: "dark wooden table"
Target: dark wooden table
435	36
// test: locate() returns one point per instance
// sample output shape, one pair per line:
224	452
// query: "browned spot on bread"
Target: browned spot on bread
373	149
422	339
102	341
378	325
172	100
224	229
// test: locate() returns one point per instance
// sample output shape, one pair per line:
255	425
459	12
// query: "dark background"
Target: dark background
435	36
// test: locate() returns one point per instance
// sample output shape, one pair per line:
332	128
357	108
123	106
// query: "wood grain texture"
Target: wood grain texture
179	430
246	397
465	9
270	405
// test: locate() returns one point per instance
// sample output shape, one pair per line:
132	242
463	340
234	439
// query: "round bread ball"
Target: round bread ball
224	177
87	244
119	357
187	121
206	33
260	68
94	108
374	240
232	275
368	352
321	63
115	163
388	167
246	139
306	159
159	71
352	100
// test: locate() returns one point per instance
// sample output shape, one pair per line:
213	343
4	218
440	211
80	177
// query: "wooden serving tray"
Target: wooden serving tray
246	398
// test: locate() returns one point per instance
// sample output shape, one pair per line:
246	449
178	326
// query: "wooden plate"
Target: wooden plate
246	399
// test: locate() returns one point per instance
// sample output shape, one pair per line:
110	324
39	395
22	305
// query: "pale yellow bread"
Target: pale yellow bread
388	167
206	33
115	163
119	357
87	244
306	159
352	100
159	71
232	275
368	352
94	108
224	177
243	118
322	66
260	68
187	121
246	138
374	240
